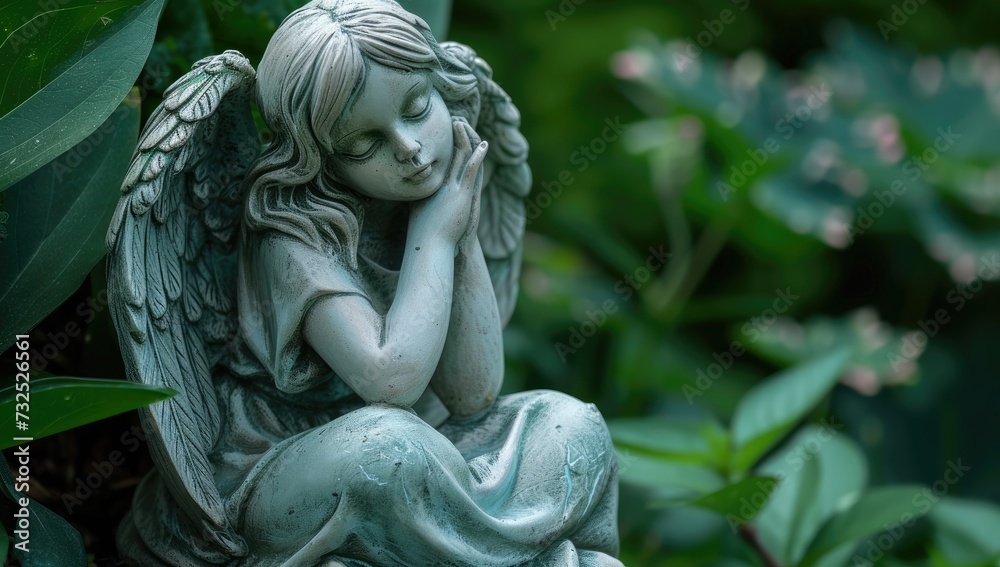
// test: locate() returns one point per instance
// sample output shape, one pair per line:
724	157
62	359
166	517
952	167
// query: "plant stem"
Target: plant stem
749	535
687	265
709	245
678	232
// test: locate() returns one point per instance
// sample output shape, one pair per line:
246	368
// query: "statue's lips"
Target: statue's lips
421	174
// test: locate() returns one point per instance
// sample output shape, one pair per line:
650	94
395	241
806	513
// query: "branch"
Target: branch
749	535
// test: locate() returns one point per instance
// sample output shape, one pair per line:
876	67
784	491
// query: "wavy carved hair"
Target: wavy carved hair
311	71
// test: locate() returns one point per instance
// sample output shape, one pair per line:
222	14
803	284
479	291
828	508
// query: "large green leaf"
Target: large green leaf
739	502
821	472
667	481
772	408
65	73
57	404
59	216
700	442
894	507
967	532
52	541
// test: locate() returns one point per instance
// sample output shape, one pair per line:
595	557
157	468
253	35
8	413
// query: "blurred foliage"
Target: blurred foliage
724	191
900	290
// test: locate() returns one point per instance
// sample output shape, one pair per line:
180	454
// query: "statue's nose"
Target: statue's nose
407	147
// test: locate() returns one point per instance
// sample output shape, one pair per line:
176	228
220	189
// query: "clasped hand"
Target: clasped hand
452	212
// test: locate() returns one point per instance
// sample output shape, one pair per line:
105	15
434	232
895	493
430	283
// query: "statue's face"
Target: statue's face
395	142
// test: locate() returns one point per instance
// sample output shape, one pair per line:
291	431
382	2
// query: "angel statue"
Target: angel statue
329	308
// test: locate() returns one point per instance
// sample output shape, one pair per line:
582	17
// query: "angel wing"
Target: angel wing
172	271
502	209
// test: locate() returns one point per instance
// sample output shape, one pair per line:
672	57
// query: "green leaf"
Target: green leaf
807	207
772	408
841	556
805	518
4	545
966	531
820	473
437	14
937	559
742	500
59	216
60	403
668	482
894	507
700	442
52	540
50	104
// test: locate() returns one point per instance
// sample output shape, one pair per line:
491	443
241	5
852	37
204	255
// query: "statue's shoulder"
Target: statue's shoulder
287	251
280	265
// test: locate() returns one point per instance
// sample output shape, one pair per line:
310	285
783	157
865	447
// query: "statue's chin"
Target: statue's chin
423	184
413	188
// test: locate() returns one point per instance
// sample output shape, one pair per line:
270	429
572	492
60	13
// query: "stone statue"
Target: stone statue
329	308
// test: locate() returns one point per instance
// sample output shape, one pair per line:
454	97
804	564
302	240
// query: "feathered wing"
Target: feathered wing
172	271
502	208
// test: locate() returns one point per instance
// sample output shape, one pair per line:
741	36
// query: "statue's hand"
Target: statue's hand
453	211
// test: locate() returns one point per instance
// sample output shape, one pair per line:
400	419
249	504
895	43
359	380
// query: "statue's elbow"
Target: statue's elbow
392	382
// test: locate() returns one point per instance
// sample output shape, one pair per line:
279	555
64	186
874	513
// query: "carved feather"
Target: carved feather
177	233
170	264
191	298
161	126
172	260
166	204
156	295
502	210
196	239
134	171
502	216
136	274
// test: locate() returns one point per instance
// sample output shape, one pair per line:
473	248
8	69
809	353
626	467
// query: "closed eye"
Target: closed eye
359	153
419	107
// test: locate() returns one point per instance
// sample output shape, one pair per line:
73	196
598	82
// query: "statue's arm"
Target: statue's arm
390	359
469	376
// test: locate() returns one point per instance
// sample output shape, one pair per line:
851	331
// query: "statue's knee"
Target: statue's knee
357	458
367	427
386	444
575	421
562	408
